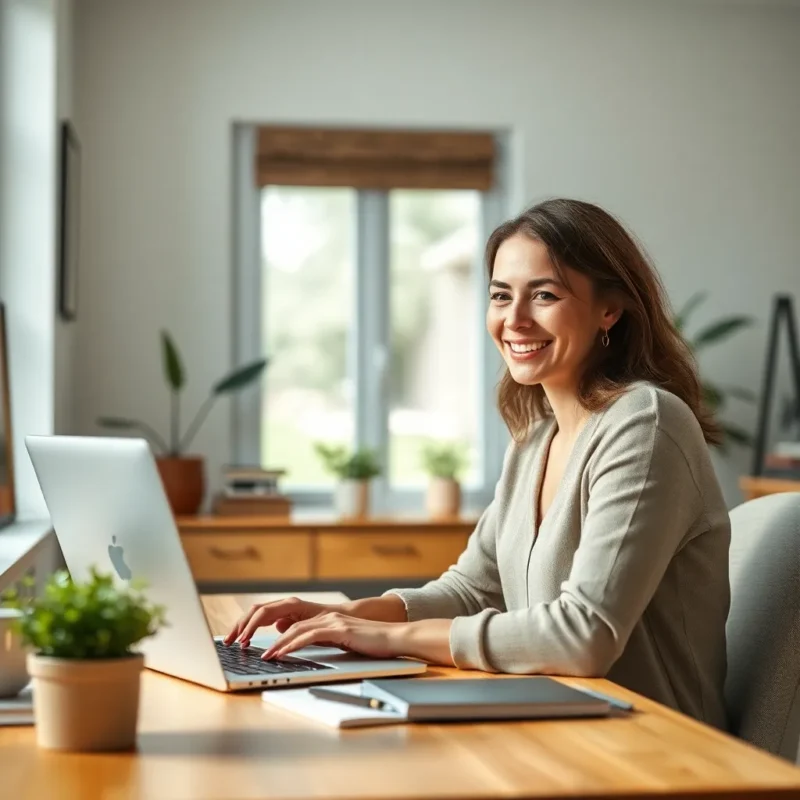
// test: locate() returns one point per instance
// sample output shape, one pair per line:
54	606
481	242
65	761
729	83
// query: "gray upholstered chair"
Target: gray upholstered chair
762	691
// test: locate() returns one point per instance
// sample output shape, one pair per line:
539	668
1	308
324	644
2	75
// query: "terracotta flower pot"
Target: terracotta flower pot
443	498
351	498
86	705
184	482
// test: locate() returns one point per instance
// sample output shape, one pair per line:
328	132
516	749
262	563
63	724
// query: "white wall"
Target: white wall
28	223
680	116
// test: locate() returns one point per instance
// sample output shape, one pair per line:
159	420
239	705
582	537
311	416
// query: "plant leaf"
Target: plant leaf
736	434
123	424
239	378
683	315
173	368
740	393
118	423
712	396
719	330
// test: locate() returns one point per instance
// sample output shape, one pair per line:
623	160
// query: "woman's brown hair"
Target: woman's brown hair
644	344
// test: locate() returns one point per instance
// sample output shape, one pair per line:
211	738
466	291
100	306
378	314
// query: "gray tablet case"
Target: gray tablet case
486	698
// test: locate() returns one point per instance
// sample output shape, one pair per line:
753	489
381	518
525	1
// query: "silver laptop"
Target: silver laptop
108	509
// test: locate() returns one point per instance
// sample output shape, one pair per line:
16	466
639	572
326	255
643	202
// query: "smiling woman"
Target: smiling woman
605	550
581	282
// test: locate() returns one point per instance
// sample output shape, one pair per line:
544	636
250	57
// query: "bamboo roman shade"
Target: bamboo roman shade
374	159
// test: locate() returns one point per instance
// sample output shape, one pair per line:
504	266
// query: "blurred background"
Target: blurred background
679	116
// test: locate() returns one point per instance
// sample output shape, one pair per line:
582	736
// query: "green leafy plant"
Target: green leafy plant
716	396
444	459
176	380
790	416
360	465
84	619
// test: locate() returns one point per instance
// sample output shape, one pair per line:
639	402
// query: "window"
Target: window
308	264
435	322
369	303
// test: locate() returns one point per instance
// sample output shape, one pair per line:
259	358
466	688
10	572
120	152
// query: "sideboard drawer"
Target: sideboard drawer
248	556
386	554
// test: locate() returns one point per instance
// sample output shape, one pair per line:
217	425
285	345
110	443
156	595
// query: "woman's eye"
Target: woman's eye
547	297
499	297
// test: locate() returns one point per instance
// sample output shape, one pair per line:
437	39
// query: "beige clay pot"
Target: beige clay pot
351	499
443	498
86	705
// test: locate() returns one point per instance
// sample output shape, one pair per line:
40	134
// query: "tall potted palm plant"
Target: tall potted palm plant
716	396
181	473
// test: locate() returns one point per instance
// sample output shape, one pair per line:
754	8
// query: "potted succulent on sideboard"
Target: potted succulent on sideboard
355	471
183	474
444	462
85	672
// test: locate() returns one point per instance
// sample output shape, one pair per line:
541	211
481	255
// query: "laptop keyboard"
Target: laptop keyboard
248	661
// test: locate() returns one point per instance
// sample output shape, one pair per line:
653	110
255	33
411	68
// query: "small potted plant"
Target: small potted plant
355	471
182	474
444	462
80	636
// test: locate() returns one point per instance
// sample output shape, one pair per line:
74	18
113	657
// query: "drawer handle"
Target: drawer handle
245	554
395	550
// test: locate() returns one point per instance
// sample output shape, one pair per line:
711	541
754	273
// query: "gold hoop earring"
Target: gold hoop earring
605	341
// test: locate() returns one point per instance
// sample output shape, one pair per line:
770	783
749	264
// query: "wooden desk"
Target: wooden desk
239	554
753	487
197	743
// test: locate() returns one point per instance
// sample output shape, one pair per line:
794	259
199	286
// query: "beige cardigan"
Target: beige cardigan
628	574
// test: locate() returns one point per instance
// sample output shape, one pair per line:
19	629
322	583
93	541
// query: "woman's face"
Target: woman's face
544	331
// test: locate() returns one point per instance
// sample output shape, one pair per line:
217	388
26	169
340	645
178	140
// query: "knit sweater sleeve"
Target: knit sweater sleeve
642	505
473	583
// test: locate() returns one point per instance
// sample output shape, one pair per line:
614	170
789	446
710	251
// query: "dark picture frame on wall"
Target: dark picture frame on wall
69	240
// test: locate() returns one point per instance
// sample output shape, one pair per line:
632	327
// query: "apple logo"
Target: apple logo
116	554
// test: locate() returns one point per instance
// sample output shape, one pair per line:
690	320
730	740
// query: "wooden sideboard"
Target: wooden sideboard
225	553
753	487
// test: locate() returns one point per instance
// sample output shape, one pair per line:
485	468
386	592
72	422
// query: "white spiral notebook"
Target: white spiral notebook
335	715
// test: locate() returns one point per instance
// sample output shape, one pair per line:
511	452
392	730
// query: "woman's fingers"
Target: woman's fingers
241	623
318	636
281	608
292	610
326	627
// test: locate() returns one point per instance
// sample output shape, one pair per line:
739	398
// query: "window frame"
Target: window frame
369	342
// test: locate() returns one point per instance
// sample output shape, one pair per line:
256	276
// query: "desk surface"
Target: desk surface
197	743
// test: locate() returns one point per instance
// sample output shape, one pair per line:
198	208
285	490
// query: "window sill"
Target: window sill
19	545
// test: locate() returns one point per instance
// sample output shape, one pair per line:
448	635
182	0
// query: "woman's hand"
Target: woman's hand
428	640
281	613
285	613
377	639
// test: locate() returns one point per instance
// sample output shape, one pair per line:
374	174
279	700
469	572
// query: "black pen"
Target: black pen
350	699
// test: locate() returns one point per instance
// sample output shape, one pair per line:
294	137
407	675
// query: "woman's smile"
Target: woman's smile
525	351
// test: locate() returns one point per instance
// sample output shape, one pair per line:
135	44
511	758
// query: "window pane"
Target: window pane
308	266
434	240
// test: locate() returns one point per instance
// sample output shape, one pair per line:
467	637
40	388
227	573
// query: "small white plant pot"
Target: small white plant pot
86	705
443	498
351	498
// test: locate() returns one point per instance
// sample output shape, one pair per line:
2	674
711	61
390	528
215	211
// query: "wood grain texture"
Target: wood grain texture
753	487
303	522
386	553
197	743
246	556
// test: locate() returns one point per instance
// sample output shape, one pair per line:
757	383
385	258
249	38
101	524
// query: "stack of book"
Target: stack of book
251	491
17	710
783	461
